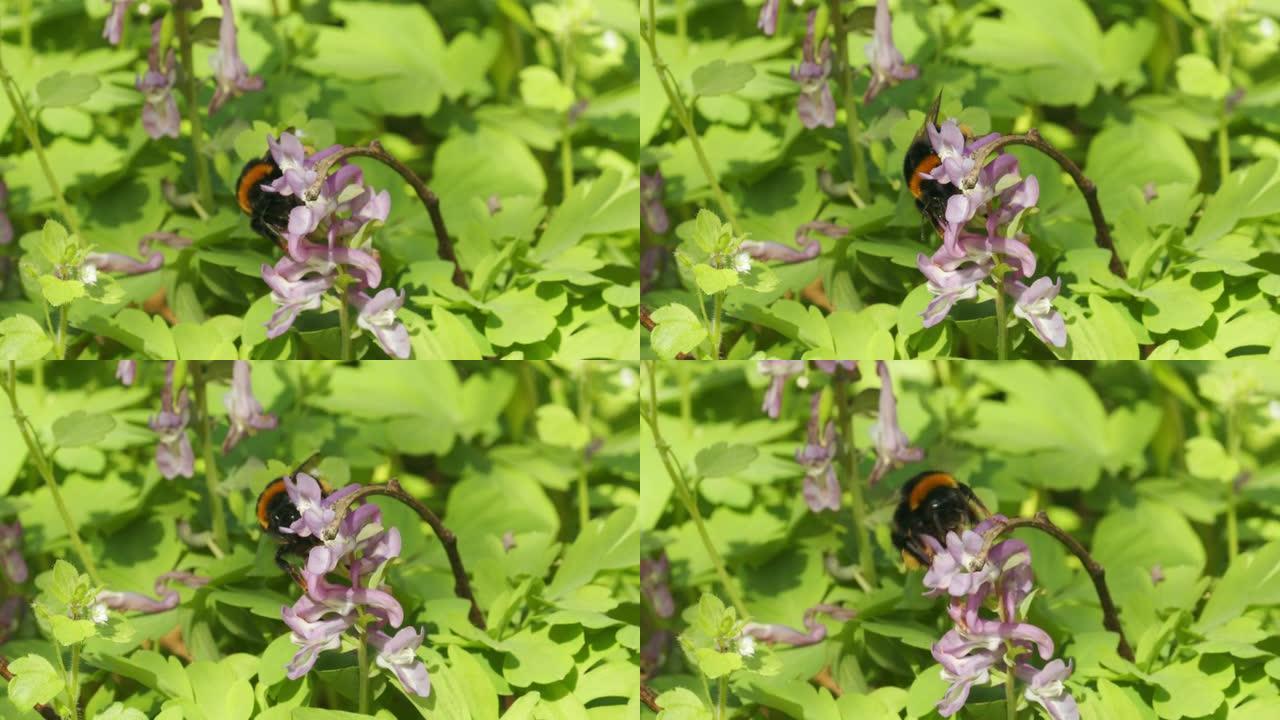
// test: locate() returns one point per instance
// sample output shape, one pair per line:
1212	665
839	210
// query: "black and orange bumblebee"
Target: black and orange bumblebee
931	196
268	212
932	503
276	511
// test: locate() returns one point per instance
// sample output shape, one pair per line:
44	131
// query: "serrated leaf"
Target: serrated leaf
63	89
34	681
712	280
676	330
716	664
81	428
22	339
59	292
719	77
1197	75
723	459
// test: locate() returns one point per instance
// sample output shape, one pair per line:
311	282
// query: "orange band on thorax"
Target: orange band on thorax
926	165
251	177
926	485
264	500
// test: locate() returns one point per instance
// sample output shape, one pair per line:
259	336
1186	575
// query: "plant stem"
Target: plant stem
26	27
19	106
74	688
444	245
1233	451
203	188
1041	522
584	417
211	477
720	708
1090	191
362	663
344	326
845	71
1010	695
1224	64
685	117
1002	325
392	489
717	313
567	72
45	469
60	346
682	24
844	416
686	495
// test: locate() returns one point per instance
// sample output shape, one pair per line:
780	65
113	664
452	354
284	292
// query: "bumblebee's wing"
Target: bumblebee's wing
307	465
930	118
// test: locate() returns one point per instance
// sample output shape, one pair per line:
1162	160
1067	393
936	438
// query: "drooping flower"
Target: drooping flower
119	262
817	457
378	316
1034	304
15	566
655	587
888	67
651	207
6	227
229	71
1045	687
315	512
127	372
398	654
114	27
815	632
953	570
291	298
174	455
312	638
949	287
893	448
160	114
168	597
781	371
768	20
244	412
815	104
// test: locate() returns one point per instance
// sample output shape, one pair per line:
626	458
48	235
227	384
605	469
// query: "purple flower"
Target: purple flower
15	567
174	456
312	638
229	71
142	603
651	207
953	570
243	410
398	654
817	456
1035	305
949	286
127	372
815	104
888	67
654	585
315	512
160	114
6	227
767	250
118	262
892	445
292	297
378	316
830	367
654	651
11	609
816	631
983	250
1045	687
307	258
114	27
780	371
768	20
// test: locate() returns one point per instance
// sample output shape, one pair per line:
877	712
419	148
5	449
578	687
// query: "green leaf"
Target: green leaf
22	339
557	425
707	231
682	704
1207	458
117	711
60	292
1252	580
1185	691
71	632
62	89
523	708
723	459
610	543
82	428
713	280
540	656
1197	75
1176	304
676	330
34	682
540	87
524	316
719	77
716	664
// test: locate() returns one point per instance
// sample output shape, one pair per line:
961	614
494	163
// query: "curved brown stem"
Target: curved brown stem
649	697
1041	522
45	711
1090	191
392	489
430	201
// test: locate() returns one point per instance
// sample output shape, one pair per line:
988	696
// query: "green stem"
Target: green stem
845	71
19	106
344	326
211	477
74	688
686	495
718	312
685	117
567	71
584	417
1010	695
844	414
1233	451
706	322
203	188
362	662
60	347
682	25
26	28
1224	64
1002	326
45	469
720	708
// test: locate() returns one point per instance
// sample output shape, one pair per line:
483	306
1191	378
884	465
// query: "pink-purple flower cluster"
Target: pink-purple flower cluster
651	207
229	71
358	551
244	412
888	67
979	643
160	115
6	227
814	104
168	597
341	212
113	29
967	258
174	455
11	560
814	631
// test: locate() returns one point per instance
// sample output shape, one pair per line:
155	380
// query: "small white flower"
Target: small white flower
742	262
627	377
746	646
89	274
1273	408
98	613
610	40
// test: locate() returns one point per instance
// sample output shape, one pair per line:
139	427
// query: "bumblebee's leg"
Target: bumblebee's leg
975	505
914	551
290	548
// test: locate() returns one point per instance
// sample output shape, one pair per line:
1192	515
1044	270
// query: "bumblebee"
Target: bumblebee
268	212
276	511
932	503
931	196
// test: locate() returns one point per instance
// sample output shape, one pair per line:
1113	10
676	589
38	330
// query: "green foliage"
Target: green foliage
1163	472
